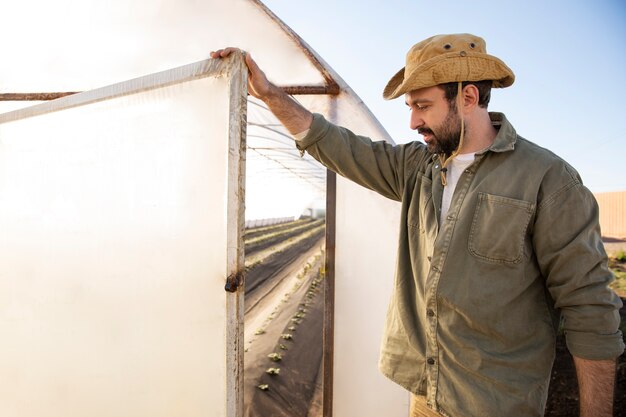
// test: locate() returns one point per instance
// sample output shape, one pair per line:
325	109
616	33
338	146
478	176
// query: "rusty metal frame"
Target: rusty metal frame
151	81
330	88
291	90
329	294
33	96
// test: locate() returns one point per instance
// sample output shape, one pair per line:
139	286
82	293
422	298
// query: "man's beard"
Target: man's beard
446	136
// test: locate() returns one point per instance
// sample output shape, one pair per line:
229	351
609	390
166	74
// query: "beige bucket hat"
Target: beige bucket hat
448	58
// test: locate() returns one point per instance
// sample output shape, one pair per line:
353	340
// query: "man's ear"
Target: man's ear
471	96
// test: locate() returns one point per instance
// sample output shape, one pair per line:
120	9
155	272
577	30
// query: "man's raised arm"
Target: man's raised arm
289	112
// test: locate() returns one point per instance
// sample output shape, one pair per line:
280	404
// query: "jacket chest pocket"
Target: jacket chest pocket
499	227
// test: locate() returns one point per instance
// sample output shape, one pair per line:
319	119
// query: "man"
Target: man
499	238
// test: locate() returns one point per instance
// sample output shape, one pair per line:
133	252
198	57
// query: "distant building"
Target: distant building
612	214
313	213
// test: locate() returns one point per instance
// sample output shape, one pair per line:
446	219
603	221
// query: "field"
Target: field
283	320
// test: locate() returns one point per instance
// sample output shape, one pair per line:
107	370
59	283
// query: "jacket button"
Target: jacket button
430	361
430	313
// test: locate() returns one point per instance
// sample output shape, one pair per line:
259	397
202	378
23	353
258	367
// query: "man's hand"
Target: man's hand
291	114
596	383
258	84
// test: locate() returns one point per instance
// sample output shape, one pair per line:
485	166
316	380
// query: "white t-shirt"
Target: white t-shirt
455	168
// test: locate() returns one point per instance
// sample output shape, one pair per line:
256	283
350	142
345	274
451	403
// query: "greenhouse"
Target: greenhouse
130	165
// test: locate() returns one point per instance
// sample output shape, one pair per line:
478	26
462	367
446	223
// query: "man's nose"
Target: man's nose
415	121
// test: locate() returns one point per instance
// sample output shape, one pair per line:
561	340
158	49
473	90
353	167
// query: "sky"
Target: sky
569	58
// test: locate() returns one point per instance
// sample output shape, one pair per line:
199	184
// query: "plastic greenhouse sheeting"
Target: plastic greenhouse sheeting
120	210
119	40
88	44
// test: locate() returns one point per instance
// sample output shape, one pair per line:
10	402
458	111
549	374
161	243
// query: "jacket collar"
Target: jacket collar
506	137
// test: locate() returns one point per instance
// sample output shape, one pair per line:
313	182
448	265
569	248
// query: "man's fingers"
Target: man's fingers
258	84
251	63
223	53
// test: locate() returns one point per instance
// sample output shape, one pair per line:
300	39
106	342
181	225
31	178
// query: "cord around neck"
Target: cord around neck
442	157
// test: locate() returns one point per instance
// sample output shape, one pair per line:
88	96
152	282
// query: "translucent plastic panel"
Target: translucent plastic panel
91	43
364	270
113	256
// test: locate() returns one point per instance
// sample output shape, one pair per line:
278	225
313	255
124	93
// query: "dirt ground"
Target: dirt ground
276	307
278	260
289	394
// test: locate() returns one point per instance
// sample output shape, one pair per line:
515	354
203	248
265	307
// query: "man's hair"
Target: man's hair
484	91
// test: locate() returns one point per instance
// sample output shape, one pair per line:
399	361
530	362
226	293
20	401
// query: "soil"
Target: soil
290	393
273	264
259	231
282	233
282	292
267	297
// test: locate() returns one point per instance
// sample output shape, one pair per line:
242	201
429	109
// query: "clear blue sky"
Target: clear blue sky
569	58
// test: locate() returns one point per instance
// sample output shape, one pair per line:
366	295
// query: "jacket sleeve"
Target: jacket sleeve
376	165
572	258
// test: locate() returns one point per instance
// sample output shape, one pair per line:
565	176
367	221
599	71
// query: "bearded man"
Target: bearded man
499	241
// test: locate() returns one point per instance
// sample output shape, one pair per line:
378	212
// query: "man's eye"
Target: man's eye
420	107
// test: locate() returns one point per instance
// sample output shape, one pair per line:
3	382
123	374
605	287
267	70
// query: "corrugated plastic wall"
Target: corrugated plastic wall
612	213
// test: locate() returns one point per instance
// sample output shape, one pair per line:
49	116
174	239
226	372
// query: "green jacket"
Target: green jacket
477	300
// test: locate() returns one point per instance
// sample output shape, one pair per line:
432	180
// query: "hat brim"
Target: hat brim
452	67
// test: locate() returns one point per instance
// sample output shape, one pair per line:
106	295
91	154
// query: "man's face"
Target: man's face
434	119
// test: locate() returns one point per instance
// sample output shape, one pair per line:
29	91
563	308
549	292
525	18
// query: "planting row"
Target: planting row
281	382
273	236
264	265
257	231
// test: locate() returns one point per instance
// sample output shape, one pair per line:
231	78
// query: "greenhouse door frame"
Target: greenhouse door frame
236	220
235	71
